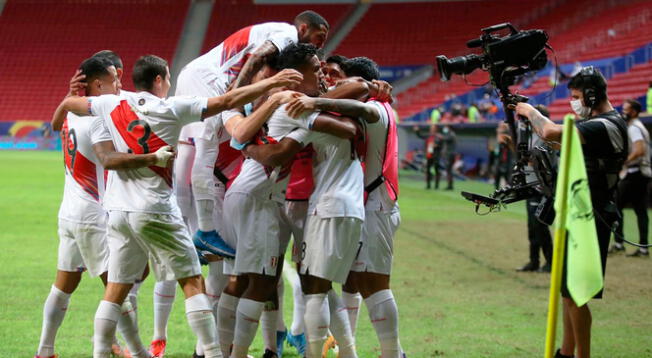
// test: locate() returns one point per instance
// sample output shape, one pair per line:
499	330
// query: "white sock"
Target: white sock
202	322
317	320
340	326
226	308
299	307
54	310
205	215
352	303
106	320
215	282
268	326
128	327
383	314
133	296
164	292
246	324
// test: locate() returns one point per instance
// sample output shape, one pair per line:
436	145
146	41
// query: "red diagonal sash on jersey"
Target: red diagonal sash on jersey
139	136
81	168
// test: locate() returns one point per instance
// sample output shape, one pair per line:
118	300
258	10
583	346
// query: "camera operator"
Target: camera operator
603	134
633	188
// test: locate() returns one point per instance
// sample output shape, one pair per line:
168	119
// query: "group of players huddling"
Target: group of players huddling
270	143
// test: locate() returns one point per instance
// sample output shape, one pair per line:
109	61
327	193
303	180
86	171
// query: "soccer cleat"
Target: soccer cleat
559	355
298	342
616	248
639	253
328	345
280	339
270	354
195	355
157	348
211	241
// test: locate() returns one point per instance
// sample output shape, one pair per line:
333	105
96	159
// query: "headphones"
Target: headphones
594	86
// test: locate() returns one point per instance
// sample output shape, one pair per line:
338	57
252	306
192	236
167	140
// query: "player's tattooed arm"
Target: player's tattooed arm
112	160
255	62
240	96
275	154
78	105
242	128
546	129
347	107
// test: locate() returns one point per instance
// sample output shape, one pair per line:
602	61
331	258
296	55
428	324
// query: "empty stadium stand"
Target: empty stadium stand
43	43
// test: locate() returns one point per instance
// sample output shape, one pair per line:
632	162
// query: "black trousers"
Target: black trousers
633	189
434	164
538	233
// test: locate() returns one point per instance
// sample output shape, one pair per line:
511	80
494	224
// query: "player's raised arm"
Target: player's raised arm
347	107
75	104
241	96
255	62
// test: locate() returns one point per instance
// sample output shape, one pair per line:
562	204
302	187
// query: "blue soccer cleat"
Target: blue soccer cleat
298	342
211	241
280	339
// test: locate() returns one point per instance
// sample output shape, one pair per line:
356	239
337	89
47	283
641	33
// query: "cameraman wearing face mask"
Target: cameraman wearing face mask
633	187
603	134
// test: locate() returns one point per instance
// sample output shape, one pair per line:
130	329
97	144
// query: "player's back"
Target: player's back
378	134
140	124
84	178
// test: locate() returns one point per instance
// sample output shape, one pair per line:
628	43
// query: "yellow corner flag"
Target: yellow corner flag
574	216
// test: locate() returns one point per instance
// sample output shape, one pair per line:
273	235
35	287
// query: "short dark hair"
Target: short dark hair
111	56
362	67
94	67
543	110
312	19
145	71
636	105
337	59
295	56
590	78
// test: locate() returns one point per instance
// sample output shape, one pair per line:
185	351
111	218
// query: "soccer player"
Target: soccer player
143	220
82	220
333	69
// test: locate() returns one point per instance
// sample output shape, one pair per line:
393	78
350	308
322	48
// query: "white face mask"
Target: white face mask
579	109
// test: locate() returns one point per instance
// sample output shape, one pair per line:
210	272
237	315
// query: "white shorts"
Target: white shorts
295	218
330	246
377	242
83	247
253	225
136	237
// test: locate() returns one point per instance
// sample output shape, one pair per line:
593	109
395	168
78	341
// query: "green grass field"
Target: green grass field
454	279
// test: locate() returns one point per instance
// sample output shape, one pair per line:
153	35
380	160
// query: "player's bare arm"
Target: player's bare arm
341	127
347	107
274	155
361	89
243	95
75	104
112	160
255	63
242	128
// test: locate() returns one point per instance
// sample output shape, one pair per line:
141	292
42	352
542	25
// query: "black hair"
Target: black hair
94	67
634	104
295	56
312	19
362	67
145	71
543	110
337	59
592	84
111	56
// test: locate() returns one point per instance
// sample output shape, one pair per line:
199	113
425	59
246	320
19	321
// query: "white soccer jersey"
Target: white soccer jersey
227	59
271	183
378	199
339	189
139	124
84	180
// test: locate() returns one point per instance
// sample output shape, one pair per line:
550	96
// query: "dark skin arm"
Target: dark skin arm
112	160
341	127
255	62
274	155
347	107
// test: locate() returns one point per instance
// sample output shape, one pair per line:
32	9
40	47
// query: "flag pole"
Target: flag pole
560	239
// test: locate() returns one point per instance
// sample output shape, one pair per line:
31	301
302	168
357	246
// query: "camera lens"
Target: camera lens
457	65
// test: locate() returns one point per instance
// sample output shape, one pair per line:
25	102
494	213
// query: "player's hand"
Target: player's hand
523	109
384	92
284	97
163	156
300	105
76	83
287	77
